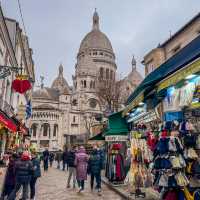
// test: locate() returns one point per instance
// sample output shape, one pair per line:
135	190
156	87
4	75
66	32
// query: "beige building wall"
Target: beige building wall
170	47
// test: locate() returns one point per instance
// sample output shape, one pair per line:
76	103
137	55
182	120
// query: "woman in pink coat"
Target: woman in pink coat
81	162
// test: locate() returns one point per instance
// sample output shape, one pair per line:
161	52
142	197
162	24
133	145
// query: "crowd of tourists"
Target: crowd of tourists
23	170
78	164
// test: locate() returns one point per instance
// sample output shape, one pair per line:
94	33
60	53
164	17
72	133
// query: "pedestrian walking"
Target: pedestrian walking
64	159
36	173
95	165
72	168
9	182
46	159
81	163
51	158
23	171
58	158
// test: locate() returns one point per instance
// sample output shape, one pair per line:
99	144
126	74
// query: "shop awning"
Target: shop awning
185	56
7	122
116	125
193	68
98	137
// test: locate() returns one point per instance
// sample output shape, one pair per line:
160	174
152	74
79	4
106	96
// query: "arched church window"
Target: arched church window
81	83
94	84
34	130
107	73
91	84
93	103
55	130
85	85
94	53
75	85
101	72
101	53
74	102
74	119
46	129
111	74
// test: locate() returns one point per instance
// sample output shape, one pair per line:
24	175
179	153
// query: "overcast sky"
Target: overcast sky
56	27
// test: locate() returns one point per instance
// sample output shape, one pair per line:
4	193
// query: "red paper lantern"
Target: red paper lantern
21	84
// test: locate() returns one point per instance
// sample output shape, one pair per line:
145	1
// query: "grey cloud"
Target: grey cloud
56	28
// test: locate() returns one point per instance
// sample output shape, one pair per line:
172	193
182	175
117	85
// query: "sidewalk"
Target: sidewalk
123	191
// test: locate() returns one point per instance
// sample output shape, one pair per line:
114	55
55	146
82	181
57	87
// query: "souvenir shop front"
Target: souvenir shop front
116	141
174	87
12	133
7	129
176	156
144	129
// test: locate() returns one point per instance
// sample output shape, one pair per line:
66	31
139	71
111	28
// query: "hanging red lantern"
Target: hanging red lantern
21	84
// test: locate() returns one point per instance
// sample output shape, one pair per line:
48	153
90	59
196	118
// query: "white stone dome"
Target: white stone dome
95	39
41	93
60	82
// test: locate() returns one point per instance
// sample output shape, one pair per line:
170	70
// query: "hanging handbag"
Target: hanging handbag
175	161
182	161
157	163
188	196
179	145
171	195
172	145
163	181
192	153
189	167
165	164
196	195
172	181
190	140
163	146
181	179
196	167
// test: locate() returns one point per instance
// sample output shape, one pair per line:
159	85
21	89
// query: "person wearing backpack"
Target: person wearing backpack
36	173
95	165
23	172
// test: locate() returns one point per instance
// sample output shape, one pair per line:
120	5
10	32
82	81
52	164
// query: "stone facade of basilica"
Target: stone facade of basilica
61	113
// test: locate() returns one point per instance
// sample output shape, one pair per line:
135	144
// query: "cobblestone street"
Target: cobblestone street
52	186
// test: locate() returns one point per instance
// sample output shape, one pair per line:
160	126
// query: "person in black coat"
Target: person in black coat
71	167
9	183
58	158
95	165
23	171
35	174
46	159
51	158
64	159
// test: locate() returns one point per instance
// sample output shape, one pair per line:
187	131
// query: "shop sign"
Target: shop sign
180	75
133	104
189	113
196	113
116	138
148	117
